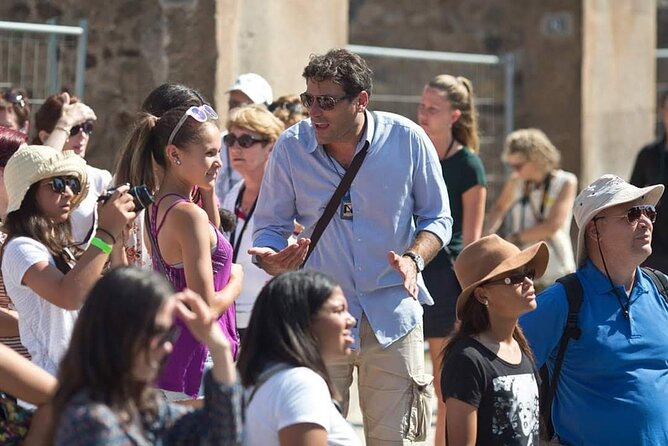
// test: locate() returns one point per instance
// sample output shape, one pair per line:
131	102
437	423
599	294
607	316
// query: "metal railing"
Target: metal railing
400	75
43	58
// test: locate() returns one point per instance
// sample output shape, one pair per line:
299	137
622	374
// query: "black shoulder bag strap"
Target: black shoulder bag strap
660	280
573	289
333	204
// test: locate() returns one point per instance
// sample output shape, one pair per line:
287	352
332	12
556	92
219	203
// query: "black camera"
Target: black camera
142	196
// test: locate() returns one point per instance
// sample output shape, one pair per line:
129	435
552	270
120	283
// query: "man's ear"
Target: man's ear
362	101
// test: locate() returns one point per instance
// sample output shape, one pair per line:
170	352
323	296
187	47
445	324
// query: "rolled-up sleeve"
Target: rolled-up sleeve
430	194
275	211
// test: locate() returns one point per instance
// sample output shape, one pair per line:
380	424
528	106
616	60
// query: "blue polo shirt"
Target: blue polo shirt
613	387
398	192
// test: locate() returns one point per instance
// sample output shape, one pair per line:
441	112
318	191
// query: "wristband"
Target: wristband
101	245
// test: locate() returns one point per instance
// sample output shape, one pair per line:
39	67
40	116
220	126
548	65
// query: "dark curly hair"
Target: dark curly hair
342	67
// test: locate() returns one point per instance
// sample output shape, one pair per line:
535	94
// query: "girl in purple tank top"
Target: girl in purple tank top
187	248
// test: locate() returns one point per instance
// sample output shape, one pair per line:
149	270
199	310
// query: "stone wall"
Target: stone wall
135	45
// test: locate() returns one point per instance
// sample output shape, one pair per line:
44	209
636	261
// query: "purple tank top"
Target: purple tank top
185	366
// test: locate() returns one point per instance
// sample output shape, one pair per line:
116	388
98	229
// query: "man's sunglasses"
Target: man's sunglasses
325	102
58	184
244	141
14	97
634	213
200	114
86	127
513	279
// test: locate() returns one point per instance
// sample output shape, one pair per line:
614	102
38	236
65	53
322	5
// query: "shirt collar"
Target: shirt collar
600	281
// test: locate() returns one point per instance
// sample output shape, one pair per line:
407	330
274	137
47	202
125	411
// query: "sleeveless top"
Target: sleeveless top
184	368
531	207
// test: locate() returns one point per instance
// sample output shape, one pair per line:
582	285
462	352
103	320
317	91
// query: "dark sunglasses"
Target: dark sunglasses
244	141
58	184
166	335
14	97
634	213
86	127
513	279
325	102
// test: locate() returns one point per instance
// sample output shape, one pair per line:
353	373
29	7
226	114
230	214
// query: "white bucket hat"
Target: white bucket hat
607	191
30	164
255	87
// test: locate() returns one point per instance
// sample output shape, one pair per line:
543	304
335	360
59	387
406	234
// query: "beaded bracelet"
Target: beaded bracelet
101	245
113	239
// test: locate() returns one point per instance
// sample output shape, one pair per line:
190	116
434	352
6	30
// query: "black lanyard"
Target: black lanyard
526	201
236	241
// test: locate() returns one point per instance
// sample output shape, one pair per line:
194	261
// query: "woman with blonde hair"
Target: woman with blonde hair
252	132
447	113
488	378
538	197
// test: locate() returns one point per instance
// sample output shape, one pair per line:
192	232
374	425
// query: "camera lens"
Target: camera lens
142	197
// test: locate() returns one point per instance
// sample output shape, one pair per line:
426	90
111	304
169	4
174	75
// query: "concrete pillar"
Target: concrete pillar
618	84
274	39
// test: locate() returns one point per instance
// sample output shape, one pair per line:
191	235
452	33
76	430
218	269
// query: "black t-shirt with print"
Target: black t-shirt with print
505	394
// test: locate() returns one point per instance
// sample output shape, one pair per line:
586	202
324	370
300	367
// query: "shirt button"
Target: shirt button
359	240
359	268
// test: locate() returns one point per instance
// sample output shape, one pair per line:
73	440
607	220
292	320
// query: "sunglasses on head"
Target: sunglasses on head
244	141
513	279
86	127
14	97
325	102
633	214
58	184
200	114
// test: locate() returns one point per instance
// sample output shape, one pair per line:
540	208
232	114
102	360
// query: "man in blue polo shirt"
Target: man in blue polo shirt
394	219
613	386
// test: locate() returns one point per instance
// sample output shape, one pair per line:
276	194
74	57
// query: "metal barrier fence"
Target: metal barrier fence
43	58
400	76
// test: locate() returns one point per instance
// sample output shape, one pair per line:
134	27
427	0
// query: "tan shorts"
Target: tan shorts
395	394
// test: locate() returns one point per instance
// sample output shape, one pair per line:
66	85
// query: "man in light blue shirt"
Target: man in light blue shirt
394	219
613	385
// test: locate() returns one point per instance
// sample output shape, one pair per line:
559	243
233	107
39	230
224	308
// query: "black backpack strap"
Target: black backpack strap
659	279
574	294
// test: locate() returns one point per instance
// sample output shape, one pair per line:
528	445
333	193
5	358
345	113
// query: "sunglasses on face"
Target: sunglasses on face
165	335
634	213
325	102
14	97
516	166
514	279
200	114
86	127
58	184
244	141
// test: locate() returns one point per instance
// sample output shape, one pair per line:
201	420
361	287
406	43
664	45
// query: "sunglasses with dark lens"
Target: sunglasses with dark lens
325	102
244	141
166	335
200	114
14	97
58	184
86	127
514	279
634	213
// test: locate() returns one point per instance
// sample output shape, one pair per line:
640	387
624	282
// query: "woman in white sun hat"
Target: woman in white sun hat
488	377
46	276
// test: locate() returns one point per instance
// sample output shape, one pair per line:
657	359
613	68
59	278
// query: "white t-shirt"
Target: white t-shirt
294	396
254	277
45	329
85	216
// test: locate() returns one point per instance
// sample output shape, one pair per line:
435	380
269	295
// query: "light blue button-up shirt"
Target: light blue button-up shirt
398	191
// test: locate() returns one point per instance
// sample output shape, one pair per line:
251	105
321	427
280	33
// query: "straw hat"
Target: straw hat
605	192
490	257
31	164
